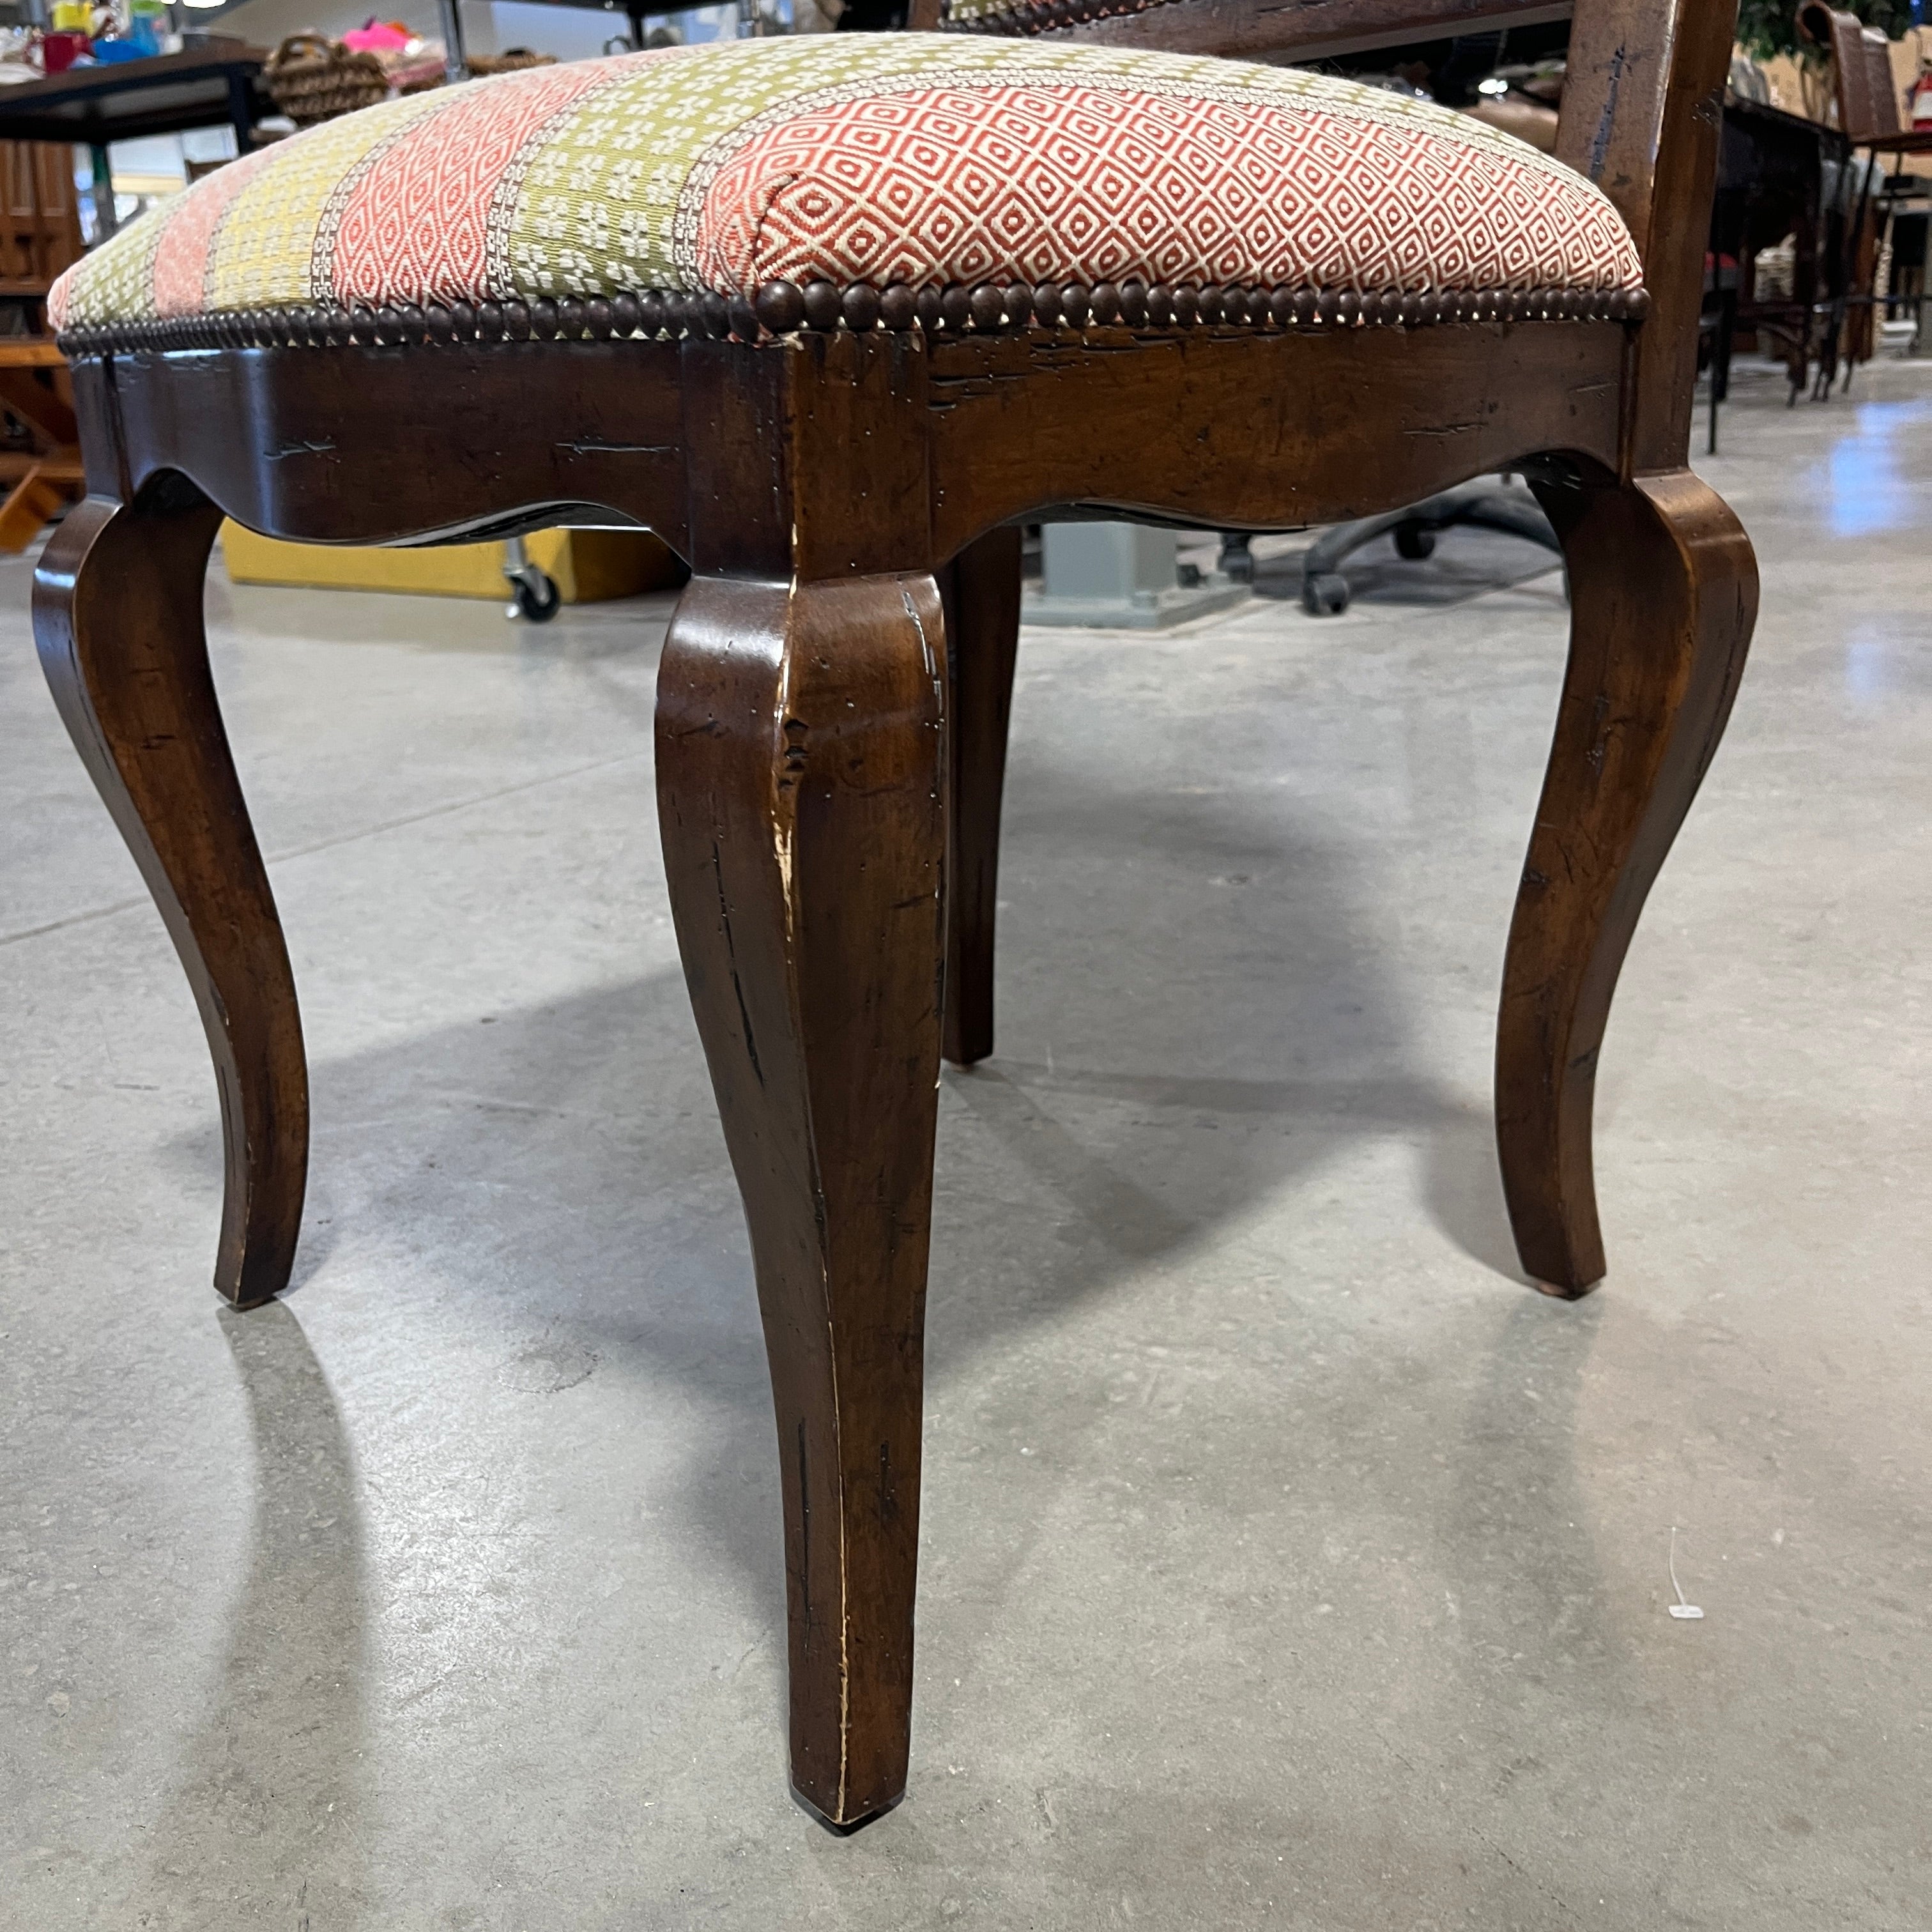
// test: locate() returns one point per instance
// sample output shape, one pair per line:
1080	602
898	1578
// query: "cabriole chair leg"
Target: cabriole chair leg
981	589
802	797
118	621
1663	594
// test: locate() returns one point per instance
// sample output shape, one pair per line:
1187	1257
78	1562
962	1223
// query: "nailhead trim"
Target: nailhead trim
783	308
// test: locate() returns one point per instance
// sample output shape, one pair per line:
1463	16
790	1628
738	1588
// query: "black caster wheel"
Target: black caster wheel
1413	542
1237	561
537	602
1324	596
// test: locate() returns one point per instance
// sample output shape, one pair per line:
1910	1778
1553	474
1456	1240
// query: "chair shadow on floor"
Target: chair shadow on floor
558	1175
1151	1108
269	1810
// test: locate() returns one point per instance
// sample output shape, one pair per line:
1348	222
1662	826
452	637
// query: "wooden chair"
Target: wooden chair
843	458
1871	112
1871	118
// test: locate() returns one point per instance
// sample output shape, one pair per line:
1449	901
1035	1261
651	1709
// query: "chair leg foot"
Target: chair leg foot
802	801
1663	594
846	1827
118	621
981	589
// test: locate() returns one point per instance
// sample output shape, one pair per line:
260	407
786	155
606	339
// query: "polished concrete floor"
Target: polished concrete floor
1287	1561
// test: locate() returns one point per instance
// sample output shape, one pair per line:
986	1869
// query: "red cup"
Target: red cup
58	51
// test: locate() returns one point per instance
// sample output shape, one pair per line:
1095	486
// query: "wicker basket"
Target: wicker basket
511	60
311	78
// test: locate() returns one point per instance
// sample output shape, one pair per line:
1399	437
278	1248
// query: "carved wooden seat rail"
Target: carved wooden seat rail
843	468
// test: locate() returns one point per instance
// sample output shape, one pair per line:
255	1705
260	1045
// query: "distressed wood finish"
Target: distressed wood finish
1273	426
981	431
520	427
1643	109
843	472
117	617
801	786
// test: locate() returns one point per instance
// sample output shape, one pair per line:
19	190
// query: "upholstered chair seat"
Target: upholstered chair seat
913	180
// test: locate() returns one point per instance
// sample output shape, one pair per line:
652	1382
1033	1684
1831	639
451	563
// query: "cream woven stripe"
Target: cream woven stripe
264	250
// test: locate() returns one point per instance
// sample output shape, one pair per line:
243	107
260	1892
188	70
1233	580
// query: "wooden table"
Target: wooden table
215	84
1771	182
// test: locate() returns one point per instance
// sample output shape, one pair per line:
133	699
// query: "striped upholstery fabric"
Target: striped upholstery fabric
906	158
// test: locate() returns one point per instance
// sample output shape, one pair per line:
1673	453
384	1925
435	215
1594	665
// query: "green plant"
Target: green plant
1766	28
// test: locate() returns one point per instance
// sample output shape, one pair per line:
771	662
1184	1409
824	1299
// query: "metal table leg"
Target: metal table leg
105	219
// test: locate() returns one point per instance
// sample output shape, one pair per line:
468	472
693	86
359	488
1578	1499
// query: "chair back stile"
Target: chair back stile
1641	115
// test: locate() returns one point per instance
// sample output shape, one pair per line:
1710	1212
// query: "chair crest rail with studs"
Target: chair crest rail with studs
833	316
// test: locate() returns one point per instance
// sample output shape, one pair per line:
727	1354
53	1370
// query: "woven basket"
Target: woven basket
311	78
511	60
